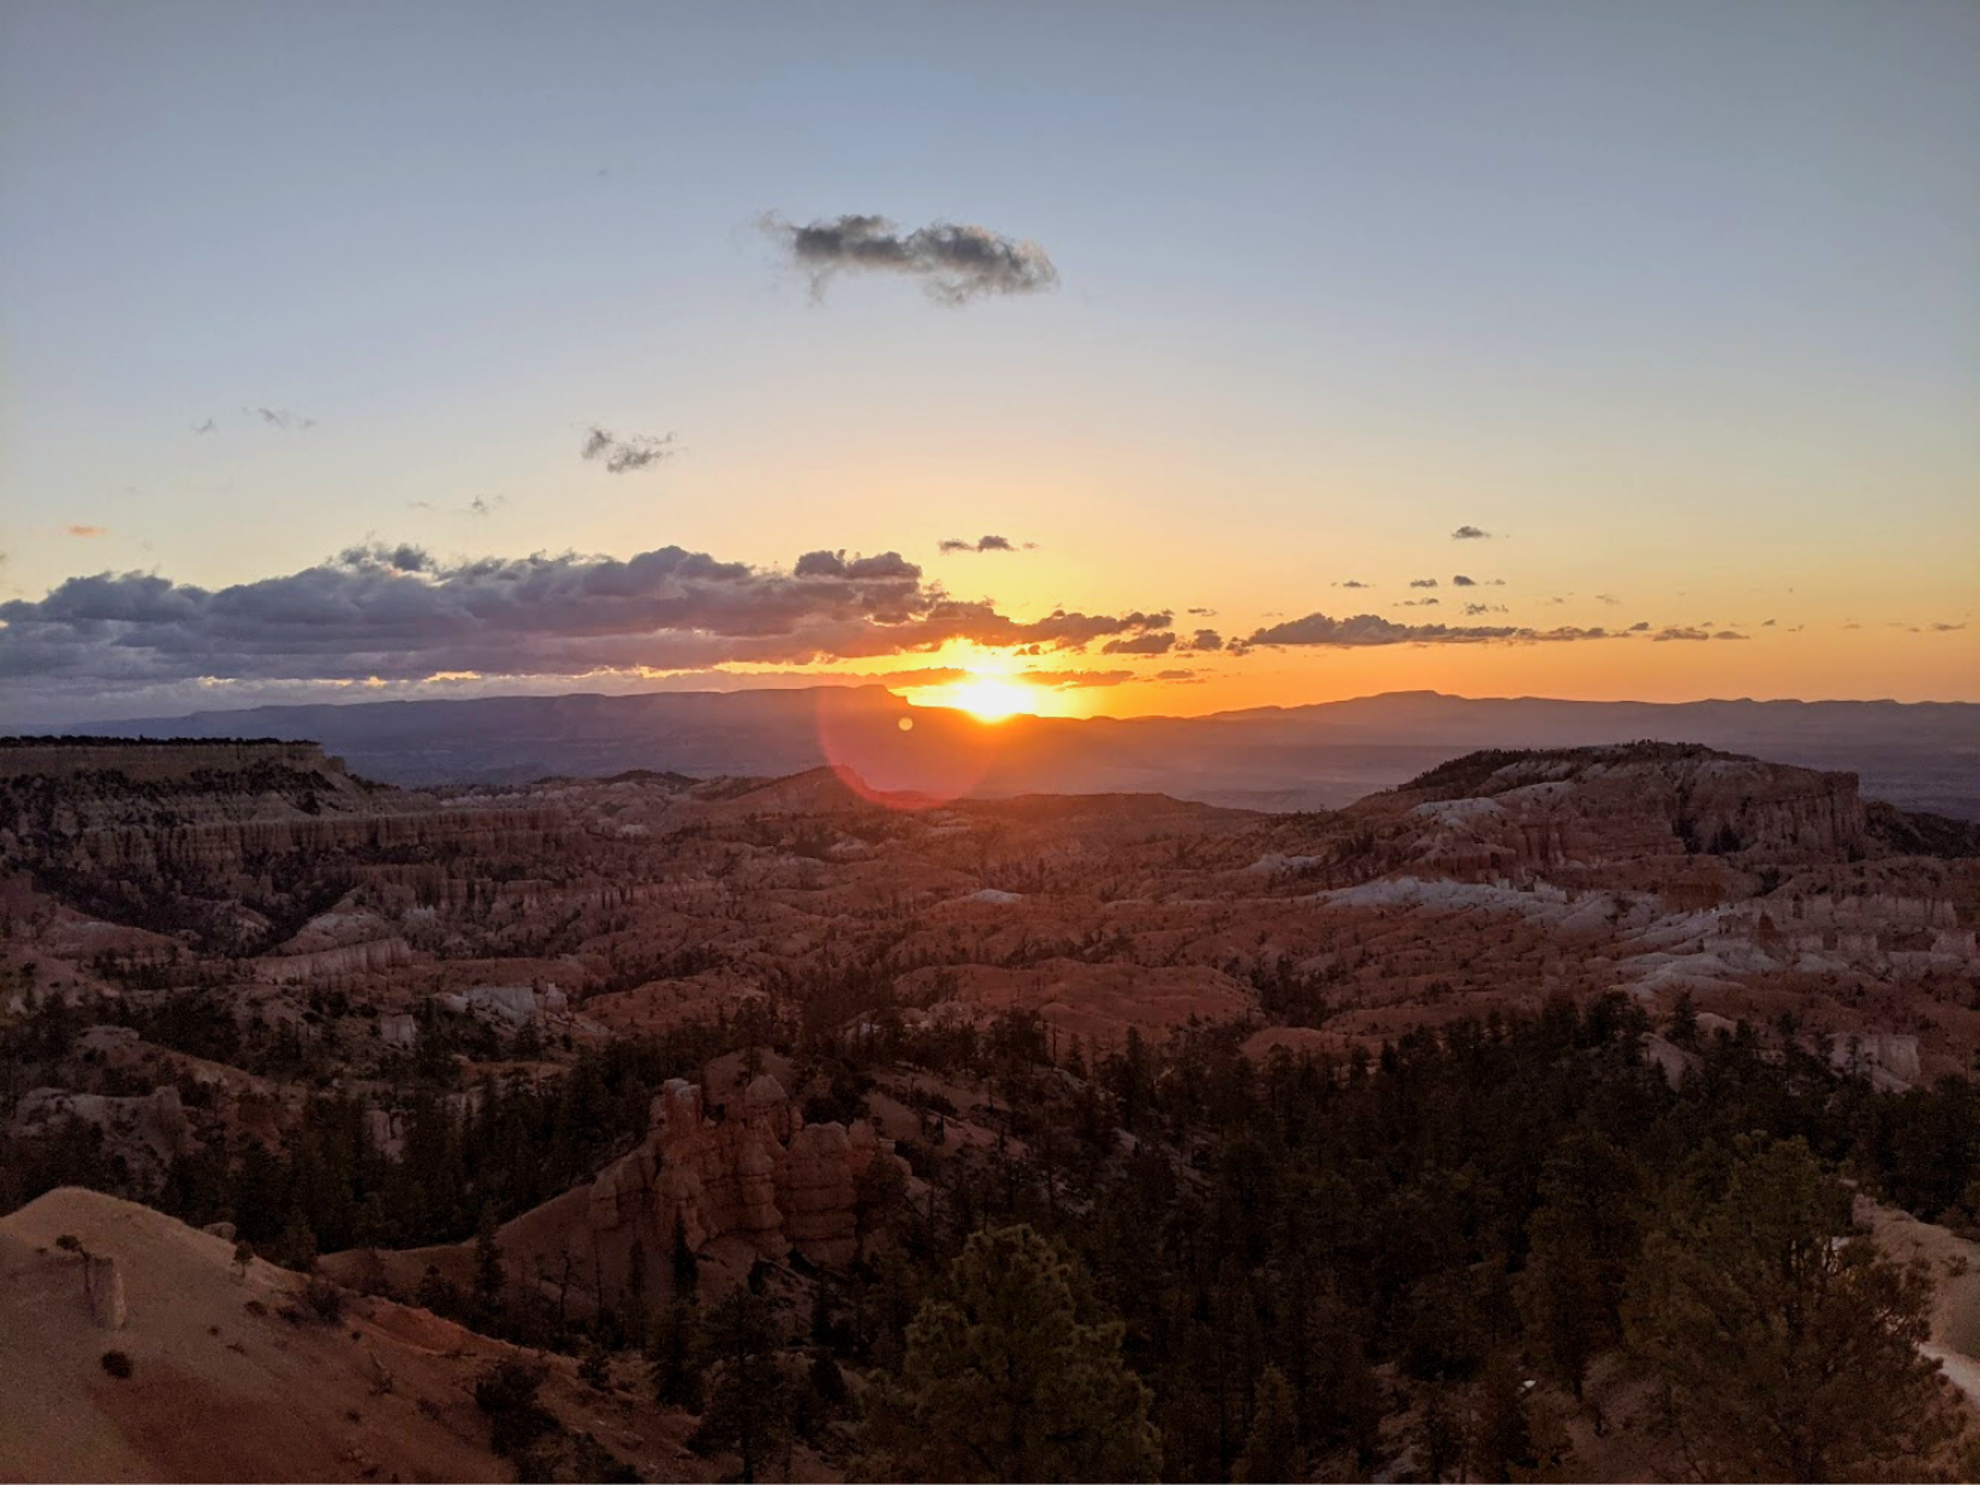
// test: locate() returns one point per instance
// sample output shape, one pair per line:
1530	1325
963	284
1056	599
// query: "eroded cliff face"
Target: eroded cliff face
237	844
760	1173
1632	803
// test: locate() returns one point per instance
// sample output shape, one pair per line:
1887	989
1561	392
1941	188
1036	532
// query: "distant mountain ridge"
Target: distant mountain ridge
1920	755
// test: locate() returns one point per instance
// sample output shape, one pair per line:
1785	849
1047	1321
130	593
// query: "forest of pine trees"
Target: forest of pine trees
1268	1260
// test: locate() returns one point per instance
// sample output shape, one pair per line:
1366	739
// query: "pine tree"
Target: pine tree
1271	1449
1786	1343
686	1266
490	1281
749	1403
672	1364
1003	1381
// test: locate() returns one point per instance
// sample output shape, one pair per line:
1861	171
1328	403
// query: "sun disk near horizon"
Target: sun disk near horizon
989	698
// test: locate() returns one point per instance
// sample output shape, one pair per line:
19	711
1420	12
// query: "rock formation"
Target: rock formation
761	1174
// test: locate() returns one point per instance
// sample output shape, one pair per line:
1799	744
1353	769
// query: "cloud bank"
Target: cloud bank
397	613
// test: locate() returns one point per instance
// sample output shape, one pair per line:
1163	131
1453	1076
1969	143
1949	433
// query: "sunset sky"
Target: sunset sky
1287	352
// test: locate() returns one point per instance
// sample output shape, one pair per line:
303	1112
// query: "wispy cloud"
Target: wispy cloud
276	417
88	530
1470	533
1423	582
1371	629
982	544
623	454
955	262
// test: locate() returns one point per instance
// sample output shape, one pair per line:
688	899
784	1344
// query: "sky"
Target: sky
1240	354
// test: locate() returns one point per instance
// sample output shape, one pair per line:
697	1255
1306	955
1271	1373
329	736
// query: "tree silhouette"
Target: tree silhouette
1003	1381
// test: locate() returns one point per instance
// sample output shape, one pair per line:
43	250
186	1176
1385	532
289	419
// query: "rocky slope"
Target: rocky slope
232	1376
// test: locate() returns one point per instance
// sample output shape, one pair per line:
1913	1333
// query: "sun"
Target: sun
991	698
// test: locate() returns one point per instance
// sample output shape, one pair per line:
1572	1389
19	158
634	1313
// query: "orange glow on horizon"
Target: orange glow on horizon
988	698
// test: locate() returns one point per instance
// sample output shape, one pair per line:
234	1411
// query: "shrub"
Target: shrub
117	1364
507	1393
325	1300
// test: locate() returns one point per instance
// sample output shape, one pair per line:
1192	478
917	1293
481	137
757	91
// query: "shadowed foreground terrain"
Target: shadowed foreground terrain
674	1128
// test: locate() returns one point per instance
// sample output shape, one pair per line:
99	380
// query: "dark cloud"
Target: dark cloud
834	564
1423	582
1461	581
1371	629
1684	632
1485	608
276	417
624	455
1947	628
1152	643
1641	626
1069	680
1352	583
1420	603
1206	639
397	613
1728	634
1201	613
1469	533
981	544
956	263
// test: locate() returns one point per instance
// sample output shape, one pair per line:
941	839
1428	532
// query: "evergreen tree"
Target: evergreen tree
673	1366
1003	1381
749	1403
1271	1449
686	1266
1785	1342
489	1278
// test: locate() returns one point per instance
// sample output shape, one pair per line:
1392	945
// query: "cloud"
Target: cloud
1485	608
1947	628
1141	644
1684	632
624	455
1068	680
1641	626
276	417
956	262
1353	583
1206	639
1420	603
1423	582
1728	634
481	505
1470	533
1608	598
208	426
397	613
1183	677
981	544
1461	581
1201	613
1767	623
1371	629
88	530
